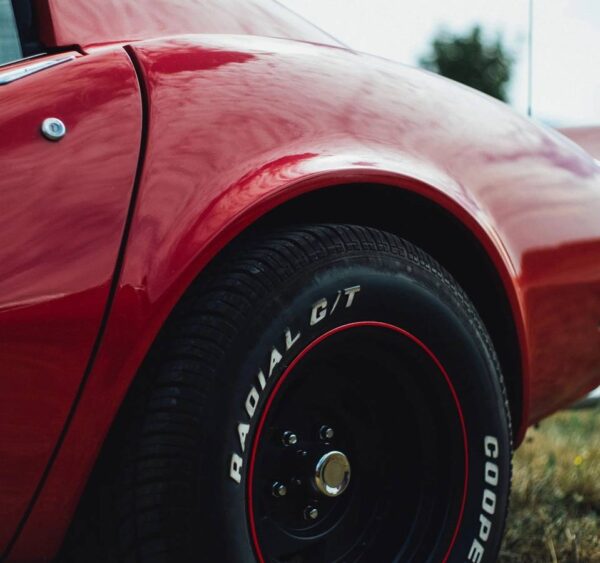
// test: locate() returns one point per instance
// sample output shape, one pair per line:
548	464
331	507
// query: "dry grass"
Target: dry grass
555	506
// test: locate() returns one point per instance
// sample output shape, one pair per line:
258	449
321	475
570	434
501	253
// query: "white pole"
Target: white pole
530	63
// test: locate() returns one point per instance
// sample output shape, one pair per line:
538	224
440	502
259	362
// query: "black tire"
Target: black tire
382	346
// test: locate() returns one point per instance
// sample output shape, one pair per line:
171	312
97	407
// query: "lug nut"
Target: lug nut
311	513
279	489
326	433
289	439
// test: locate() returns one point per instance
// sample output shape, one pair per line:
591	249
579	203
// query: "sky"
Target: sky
566	42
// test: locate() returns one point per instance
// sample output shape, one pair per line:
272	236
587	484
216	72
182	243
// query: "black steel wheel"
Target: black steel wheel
343	466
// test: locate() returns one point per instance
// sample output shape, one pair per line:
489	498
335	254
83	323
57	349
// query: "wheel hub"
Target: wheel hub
332	474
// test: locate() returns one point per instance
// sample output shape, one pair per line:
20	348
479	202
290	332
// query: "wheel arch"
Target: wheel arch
441	234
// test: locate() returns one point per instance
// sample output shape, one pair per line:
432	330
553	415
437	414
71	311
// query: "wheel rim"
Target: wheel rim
346	459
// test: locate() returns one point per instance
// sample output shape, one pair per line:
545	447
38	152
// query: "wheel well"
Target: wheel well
398	211
441	235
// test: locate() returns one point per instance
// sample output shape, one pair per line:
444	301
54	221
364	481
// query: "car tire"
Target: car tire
322	393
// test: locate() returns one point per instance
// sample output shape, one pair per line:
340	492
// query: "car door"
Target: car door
64	199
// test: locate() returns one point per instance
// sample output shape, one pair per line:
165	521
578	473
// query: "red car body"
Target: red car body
188	123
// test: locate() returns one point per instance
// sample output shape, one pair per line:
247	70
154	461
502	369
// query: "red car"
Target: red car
266	298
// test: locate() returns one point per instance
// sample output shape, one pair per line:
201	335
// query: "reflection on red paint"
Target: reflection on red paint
61	221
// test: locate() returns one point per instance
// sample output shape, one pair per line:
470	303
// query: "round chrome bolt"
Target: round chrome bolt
289	439
279	489
311	513
326	433
53	129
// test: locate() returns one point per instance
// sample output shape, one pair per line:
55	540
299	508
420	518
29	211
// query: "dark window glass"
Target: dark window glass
26	24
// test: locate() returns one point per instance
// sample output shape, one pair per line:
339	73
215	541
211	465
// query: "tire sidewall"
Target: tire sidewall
364	287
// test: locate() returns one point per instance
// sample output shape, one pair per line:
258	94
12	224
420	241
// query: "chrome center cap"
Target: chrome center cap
332	474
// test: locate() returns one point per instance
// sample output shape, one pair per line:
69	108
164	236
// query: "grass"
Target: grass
555	505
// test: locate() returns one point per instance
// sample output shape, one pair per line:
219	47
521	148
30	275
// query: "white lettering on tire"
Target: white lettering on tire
491	474
476	552
252	401
289	341
490	446
235	469
319	311
351	292
276	357
243	430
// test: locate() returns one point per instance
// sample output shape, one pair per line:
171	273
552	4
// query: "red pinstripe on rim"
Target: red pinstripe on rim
285	375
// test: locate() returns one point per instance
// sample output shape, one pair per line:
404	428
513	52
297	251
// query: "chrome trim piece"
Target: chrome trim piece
22	72
29	58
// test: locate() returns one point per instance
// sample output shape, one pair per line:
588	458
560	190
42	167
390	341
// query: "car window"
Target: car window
10	46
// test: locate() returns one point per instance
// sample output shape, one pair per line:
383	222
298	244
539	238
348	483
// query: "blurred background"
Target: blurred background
543	57
565	43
